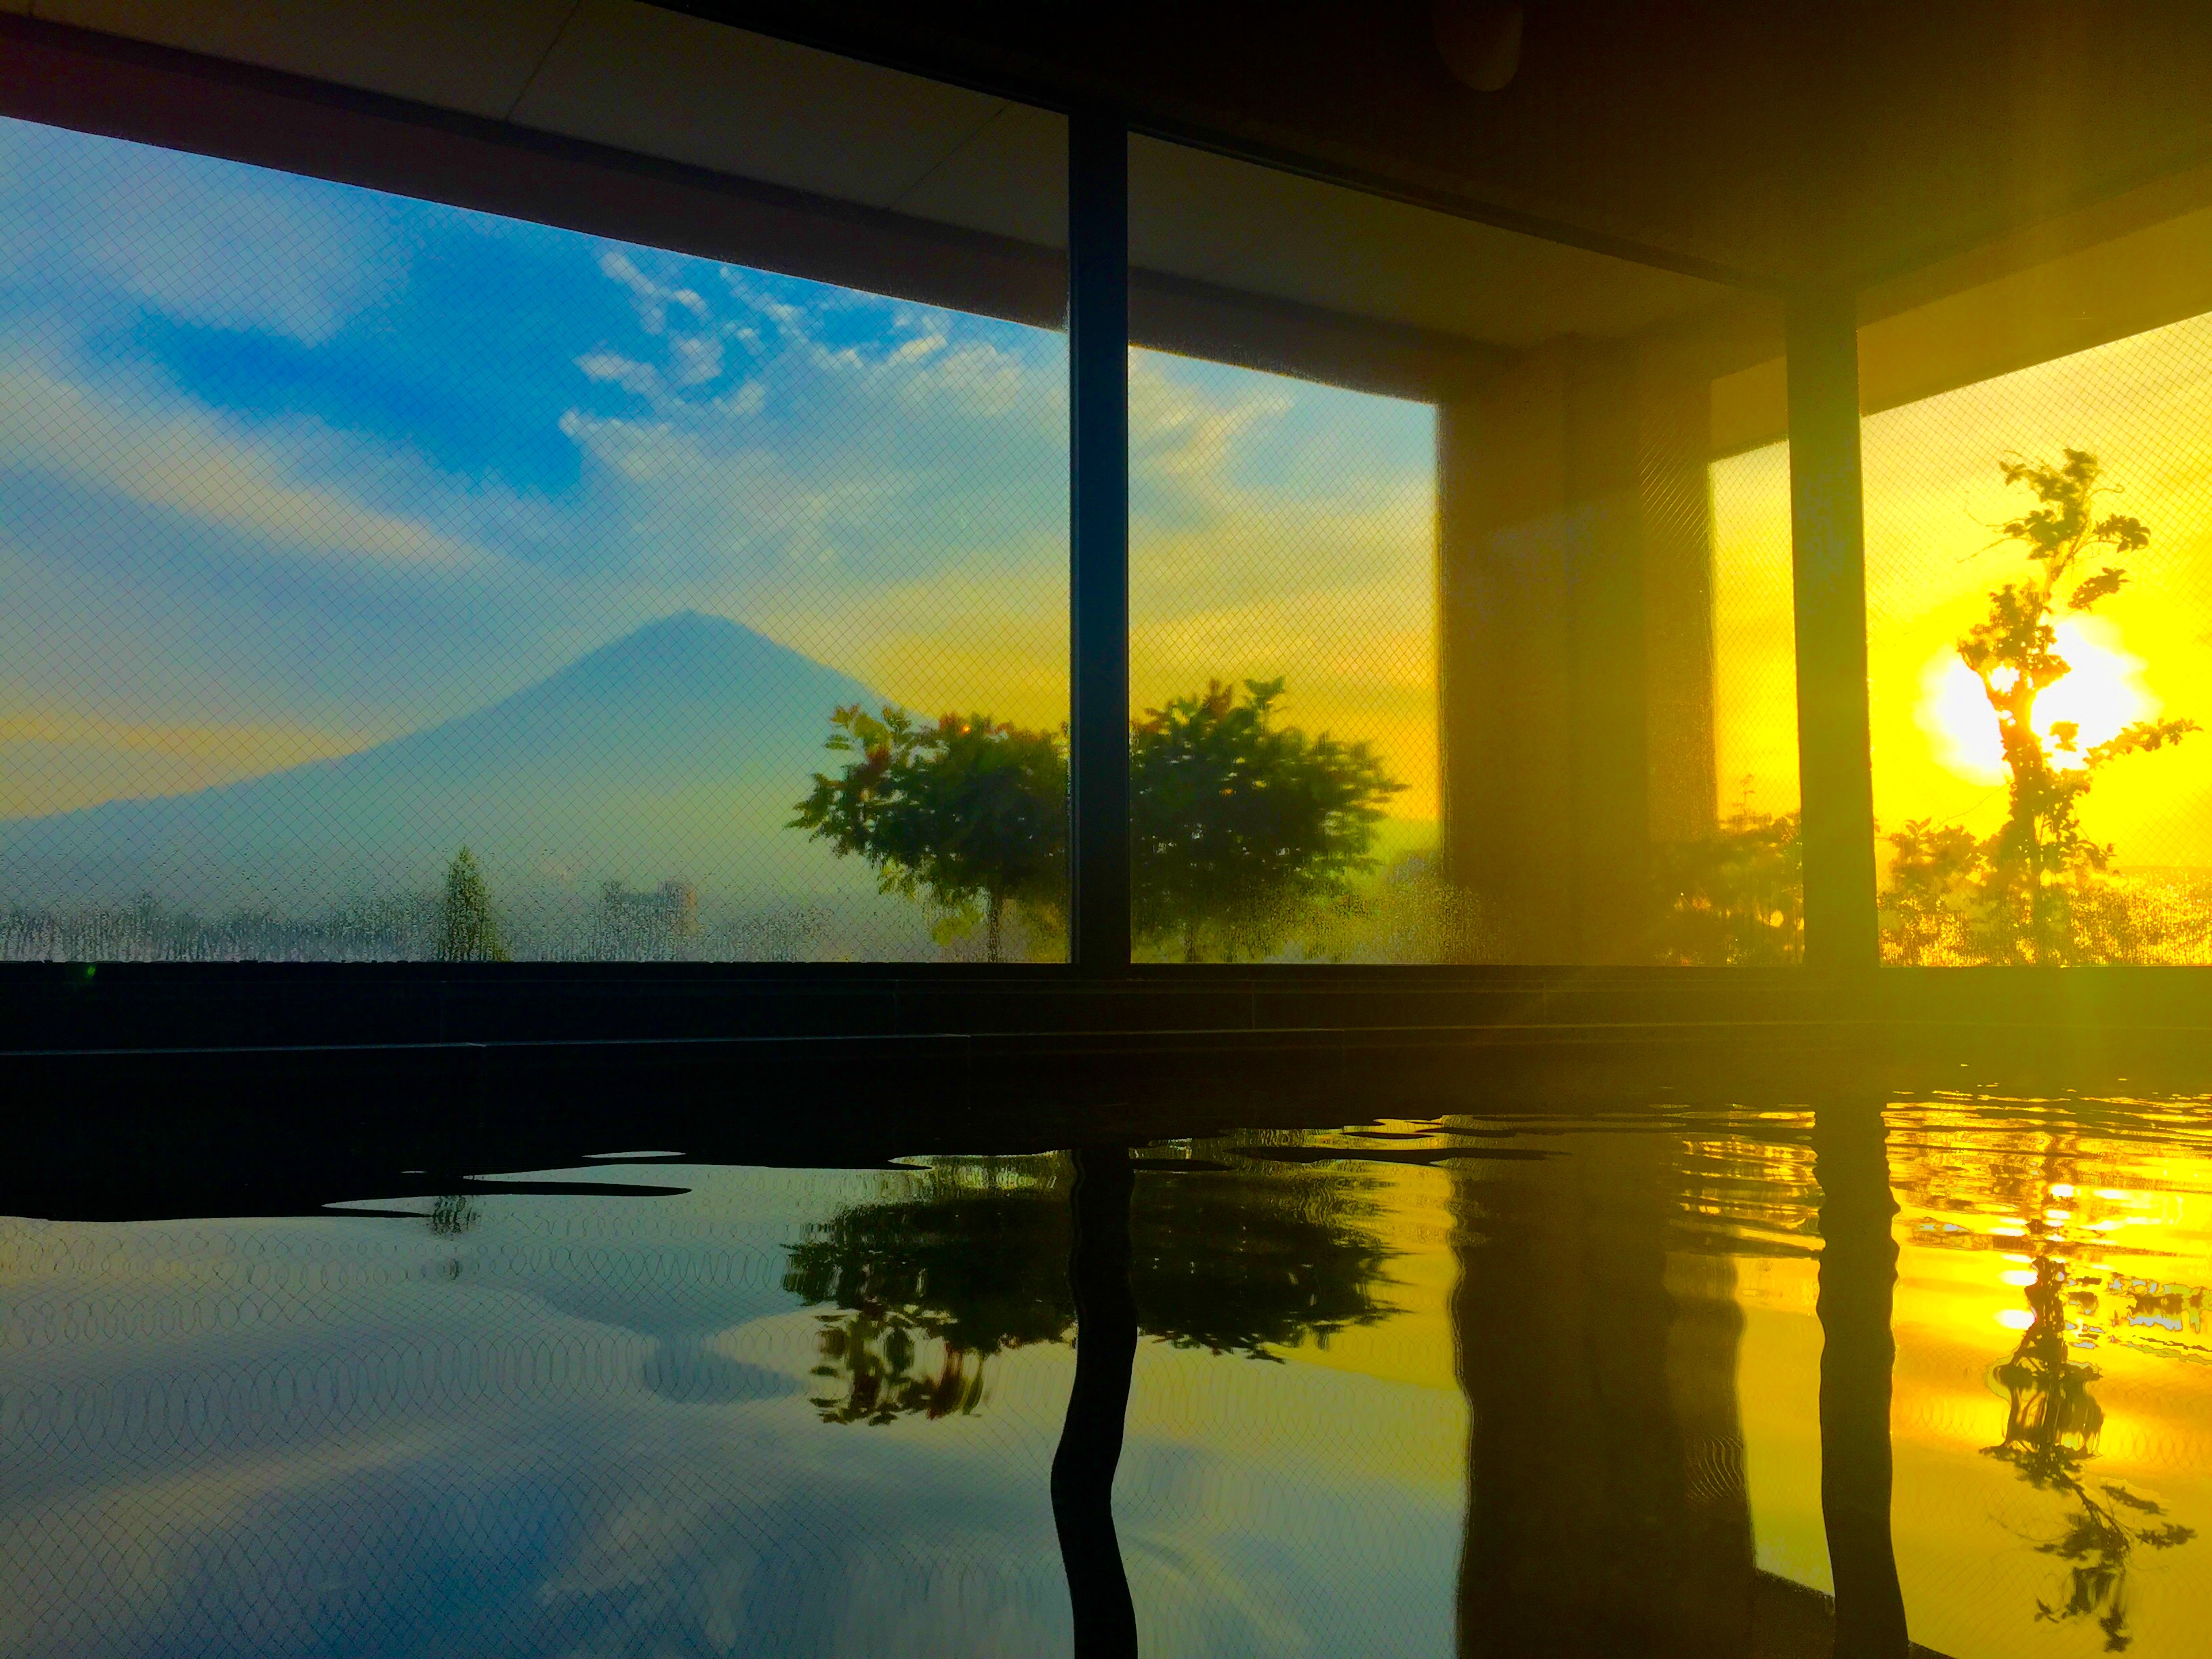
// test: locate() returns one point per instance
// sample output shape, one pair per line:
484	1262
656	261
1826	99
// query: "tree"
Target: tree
1930	867
2024	888
970	811
1238	826
1736	897
467	930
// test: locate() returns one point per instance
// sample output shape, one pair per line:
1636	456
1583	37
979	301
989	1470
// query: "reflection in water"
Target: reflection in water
969	1259
872	1355
1585	1534
1464	1386
2094	1217
452	1214
2050	1436
1858	1278
1601	1330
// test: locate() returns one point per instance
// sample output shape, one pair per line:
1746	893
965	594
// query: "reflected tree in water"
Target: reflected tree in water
873	1354
1240	1264
974	1263
970	1260
452	1214
2053	1421
2051	1427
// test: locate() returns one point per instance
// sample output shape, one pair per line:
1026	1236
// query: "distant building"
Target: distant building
648	923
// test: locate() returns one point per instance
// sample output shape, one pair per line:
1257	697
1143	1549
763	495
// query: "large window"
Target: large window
1282	580
1741	890
2039	610
1423	573
388	580
391	580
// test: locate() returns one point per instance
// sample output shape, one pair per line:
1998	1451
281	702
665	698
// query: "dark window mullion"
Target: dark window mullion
1098	355
1828	561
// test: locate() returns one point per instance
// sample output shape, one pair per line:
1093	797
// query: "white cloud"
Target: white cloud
748	399
981	379
697	359
199	240
1179	430
651	299
182	460
611	367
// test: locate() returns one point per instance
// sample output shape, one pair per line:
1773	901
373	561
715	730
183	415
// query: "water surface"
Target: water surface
1544	1384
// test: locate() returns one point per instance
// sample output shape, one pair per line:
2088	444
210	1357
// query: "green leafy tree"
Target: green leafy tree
2039	855
1239	827
1930	867
2030	892
970	811
467	930
1736	897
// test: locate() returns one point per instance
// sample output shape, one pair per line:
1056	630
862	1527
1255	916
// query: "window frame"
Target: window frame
63	76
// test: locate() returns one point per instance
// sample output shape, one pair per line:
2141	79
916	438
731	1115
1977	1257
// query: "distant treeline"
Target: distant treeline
623	925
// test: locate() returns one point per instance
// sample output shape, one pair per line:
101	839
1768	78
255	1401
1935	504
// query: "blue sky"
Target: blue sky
287	467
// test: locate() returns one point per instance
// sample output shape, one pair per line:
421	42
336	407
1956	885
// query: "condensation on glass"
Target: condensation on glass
1430	553
2041	796
388	580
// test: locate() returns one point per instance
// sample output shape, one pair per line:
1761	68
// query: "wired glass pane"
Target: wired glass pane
389	581
2084	836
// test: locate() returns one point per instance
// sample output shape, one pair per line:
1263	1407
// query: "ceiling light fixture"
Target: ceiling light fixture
1480	42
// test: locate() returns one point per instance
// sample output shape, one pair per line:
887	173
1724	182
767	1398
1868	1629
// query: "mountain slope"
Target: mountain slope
677	751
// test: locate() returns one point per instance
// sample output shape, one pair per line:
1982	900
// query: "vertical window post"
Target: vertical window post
1098	377
1828	531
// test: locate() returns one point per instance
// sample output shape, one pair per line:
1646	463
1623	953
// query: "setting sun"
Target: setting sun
2103	693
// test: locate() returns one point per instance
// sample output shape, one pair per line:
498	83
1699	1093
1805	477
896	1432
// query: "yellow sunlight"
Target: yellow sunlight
2103	693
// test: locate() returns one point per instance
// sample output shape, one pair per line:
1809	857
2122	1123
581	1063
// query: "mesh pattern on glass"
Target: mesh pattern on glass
1754	634
518	1424
1936	504
342	532
1739	894
1282	550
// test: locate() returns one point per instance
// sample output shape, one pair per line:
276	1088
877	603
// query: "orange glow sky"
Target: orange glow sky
1933	492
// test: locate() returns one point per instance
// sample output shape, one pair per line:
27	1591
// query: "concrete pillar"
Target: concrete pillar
1828	538
1576	644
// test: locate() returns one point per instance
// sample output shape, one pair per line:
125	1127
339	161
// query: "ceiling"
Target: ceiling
657	82
1645	158
1786	141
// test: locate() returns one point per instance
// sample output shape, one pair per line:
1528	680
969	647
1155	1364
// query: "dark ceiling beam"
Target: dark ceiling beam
1081	57
1826	143
151	95
119	88
1282	337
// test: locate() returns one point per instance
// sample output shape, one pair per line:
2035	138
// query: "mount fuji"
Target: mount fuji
675	753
